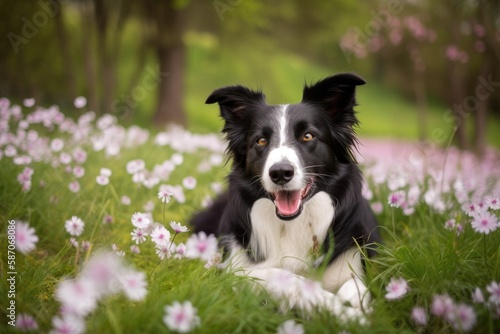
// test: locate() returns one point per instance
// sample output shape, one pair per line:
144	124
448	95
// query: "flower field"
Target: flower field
96	239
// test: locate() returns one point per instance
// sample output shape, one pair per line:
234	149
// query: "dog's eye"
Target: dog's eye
307	137
262	141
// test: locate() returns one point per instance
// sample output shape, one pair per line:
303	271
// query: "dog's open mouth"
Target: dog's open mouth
289	202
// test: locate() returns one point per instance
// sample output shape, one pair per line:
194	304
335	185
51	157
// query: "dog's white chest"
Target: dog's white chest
290	244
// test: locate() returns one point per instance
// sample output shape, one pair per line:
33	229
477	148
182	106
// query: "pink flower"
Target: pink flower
68	324
80	102
178	228
135	166
492	202
397	288
441	305
74	226
140	220
201	246
181	318
396	199
290	327
164	196
163	252
377	207
477	296
494	290
78	172
484	222
102	180
26	322
74	186
138	235
29	102
134	284
450	224
419	316
125	200
78	296
160	236
463	318
57	144
180	251
189	182
134	249
25	237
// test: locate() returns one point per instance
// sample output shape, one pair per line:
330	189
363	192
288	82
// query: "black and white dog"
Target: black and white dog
294	200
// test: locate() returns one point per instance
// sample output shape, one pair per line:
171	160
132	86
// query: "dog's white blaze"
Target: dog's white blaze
288	244
283	122
282	153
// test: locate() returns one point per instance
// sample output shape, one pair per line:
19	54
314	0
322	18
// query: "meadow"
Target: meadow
95	207
90	204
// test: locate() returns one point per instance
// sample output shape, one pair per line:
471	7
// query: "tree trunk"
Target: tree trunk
171	54
480	116
171	91
107	64
457	98
66	57
421	104
88	58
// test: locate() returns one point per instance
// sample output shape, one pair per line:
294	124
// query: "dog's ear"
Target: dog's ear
335	93
234	101
336	96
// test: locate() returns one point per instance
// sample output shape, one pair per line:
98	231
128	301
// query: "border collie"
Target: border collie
294	201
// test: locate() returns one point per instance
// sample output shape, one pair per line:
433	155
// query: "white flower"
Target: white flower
178	228
494	290
56	144
78	296
397	288
189	182
105	172
160	236
201	246
134	284
74	226
80	102
102	180
25	237
138	235
125	200
419	316
181	318
140	220
163	252
135	166
68	324
164	196
290	327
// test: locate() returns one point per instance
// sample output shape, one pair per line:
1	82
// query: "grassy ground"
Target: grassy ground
417	246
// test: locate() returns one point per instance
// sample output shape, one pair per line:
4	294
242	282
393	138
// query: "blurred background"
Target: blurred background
431	67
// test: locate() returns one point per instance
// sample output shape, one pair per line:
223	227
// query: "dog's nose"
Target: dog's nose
281	173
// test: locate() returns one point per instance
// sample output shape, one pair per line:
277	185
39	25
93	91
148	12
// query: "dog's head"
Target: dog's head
291	148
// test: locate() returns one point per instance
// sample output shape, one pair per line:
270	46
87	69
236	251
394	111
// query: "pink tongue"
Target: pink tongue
288	202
